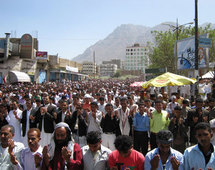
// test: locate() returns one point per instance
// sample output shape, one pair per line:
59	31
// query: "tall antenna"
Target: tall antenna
36	34
94	63
11	34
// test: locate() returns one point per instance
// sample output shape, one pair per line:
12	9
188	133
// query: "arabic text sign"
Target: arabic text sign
186	54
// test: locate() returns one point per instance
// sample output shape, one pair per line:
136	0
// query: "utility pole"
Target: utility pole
196	46
196	39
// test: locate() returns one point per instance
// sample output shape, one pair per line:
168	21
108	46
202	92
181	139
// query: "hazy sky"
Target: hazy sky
68	27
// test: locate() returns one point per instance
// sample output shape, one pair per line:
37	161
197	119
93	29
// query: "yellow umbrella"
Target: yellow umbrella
168	79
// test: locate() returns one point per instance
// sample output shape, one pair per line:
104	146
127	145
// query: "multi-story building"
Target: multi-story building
114	61
21	54
136	58
108	69
89	68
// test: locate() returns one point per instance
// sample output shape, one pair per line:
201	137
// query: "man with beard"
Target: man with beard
30	156
62	152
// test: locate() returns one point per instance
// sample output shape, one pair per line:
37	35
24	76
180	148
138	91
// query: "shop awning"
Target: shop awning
17	76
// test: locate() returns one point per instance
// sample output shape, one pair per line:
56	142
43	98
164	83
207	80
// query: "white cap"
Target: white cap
212	123
173	97
87	96
160	95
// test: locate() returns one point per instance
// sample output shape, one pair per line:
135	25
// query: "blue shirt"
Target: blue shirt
194	158
150	155
141	122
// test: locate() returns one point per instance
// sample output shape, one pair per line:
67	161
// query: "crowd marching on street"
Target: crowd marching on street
106	124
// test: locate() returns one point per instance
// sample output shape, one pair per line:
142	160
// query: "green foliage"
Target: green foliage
117	74
162	54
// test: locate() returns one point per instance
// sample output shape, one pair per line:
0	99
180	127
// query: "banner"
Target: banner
73	69
42	55
186	54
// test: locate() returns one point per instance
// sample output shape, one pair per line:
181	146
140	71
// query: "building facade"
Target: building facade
114	61
21	54
136	58
89	68
108	69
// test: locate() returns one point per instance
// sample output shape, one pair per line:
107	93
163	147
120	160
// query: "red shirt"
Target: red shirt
58	162
135	161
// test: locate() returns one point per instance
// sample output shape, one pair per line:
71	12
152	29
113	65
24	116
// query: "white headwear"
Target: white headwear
212	123
51	146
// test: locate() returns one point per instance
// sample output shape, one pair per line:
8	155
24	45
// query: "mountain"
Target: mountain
114	45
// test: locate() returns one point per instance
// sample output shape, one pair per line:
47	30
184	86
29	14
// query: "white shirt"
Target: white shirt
27	159
63	116
98	161
94	124
24	139
5	163
102	107
15	123
124	123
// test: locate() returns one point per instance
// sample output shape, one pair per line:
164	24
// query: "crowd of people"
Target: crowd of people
98	125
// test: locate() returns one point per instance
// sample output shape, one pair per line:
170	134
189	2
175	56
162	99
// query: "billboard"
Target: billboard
26	46
42	55
186	54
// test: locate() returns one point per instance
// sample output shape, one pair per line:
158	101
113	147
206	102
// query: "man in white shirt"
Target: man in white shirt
31	156
13	118
8	145
95	155
102	104
28	121
125	120
94	118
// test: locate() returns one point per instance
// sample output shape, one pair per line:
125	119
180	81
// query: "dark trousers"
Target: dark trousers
153	142
141	141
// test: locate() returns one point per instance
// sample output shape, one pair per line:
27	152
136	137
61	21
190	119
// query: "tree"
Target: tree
161	54
117	74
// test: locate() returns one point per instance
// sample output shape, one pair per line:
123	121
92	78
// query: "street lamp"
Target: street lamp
176	28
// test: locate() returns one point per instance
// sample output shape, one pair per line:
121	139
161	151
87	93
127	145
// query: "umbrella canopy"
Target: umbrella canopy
168	79
137	84
208	75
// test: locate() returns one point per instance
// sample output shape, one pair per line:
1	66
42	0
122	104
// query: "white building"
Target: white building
108	69
136	58
89	68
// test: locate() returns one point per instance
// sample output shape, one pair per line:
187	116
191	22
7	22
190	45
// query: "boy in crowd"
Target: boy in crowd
201	155
125	157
